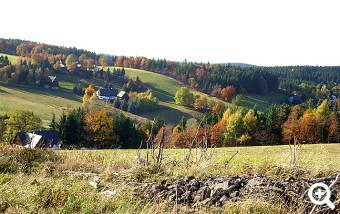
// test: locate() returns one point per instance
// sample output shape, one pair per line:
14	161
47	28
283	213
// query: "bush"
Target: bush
14	159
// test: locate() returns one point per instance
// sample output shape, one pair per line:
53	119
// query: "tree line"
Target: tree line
205	77
282	124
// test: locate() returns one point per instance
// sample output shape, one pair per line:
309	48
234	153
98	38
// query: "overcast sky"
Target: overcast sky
261	32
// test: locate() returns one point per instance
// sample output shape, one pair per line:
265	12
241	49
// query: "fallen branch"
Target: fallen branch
232	157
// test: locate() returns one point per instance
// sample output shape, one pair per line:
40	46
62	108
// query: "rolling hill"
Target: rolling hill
45	102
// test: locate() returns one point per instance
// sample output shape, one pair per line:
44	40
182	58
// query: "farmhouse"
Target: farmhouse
123	95
107	94
49	139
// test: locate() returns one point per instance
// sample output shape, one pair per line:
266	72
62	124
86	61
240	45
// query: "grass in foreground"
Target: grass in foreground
41	180
316	158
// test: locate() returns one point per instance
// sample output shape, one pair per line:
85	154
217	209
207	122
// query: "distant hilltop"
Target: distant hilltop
241	65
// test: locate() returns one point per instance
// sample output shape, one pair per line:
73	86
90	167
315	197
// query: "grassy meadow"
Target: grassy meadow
13	59
58	182
42	102
317	158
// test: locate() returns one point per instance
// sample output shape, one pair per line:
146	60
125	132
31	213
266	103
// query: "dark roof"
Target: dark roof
108	92
23	136
50	136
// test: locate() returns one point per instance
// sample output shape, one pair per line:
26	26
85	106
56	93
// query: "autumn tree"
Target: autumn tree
217	107
322	117
250	121
201	103
290	129
184	97
334	128
216	91
71	62
103	60
100	126
217	133
228	93
24	49
234	128
82	59
308	129
89	92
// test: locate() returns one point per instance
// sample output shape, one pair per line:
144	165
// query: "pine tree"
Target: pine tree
53	124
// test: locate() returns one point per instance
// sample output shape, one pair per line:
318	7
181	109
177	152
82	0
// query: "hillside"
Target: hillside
42	102
164	88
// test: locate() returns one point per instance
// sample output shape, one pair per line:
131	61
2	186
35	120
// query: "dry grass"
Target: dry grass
39	178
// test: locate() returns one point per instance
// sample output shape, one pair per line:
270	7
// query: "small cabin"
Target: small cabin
123	95
49	139
51	82
107	94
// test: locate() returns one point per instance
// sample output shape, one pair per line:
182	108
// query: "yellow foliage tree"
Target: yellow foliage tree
100	125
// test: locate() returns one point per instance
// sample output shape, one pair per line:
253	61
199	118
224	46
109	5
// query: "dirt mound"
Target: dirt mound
290	192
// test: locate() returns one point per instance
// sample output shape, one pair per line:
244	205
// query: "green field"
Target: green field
165	89
11	58
42	102
262	102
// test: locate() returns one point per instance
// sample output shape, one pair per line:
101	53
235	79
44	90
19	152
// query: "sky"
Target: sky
259	32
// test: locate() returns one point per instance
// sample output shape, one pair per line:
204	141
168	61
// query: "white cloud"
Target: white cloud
263	32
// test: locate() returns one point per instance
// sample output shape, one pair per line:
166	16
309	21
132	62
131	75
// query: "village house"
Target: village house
51	82
108	94
48	139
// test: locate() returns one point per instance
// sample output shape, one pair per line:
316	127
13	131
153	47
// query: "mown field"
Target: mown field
165	89
42	102
11	58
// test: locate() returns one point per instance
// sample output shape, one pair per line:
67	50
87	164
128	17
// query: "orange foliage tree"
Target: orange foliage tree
217	133
308	131
290	129
201	103
334	128
184	139
87	95
228	93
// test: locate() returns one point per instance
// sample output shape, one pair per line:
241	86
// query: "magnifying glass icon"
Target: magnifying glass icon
320	194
